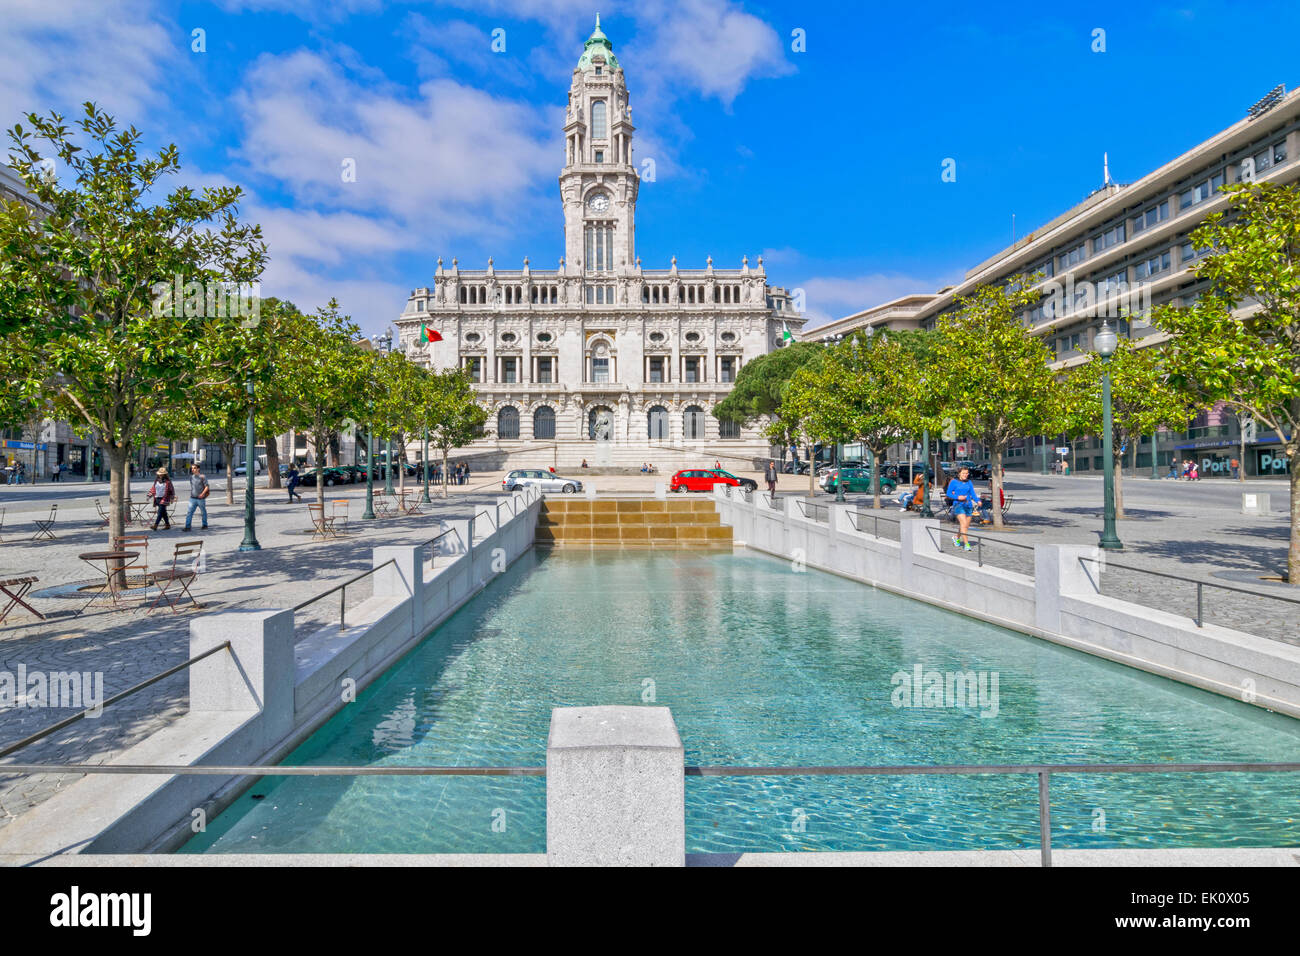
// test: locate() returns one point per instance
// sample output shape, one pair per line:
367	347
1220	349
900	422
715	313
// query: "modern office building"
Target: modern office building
1122	250
601	351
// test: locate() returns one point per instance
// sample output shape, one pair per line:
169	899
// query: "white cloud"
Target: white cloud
57	55
710	46
452	158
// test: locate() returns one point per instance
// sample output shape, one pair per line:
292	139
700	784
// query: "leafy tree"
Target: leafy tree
862	389
451	412
1250	361
110	360
990	376
756	392
401	389
324	377
1142	400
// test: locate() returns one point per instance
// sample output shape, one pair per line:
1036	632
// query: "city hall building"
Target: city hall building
1123	250
602	354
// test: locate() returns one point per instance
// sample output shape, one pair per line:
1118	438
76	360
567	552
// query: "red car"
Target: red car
703	479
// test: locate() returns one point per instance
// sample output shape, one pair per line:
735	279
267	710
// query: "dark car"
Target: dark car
332	477
903	471
979	470
857	480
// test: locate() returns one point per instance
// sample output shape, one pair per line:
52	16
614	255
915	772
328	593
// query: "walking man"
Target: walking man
294	478
199	492
770	476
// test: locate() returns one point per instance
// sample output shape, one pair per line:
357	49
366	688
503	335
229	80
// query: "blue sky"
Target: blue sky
826	161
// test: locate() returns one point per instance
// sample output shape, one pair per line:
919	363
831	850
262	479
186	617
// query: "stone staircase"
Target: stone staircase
679	522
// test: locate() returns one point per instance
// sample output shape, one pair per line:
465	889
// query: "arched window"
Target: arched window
657	423
693	423
544	422
508	422
599	127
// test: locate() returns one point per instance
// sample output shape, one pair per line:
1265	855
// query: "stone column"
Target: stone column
1059	572
256	674
615	788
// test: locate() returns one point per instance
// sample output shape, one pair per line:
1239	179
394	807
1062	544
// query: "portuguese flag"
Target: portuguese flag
429	335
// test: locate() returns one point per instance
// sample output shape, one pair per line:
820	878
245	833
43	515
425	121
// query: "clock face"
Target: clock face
598	202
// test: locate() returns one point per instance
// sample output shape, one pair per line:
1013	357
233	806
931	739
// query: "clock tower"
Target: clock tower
598	184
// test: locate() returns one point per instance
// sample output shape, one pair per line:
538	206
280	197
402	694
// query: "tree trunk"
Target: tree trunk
320	475
228	452
401	457
118	483
875	479
812	471
272	463
1293	555
1241	460
444	473
1119	486
996	485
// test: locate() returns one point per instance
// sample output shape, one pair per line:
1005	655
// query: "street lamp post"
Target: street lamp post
369	513
1106	342
1043	439
384	343
250	507
424	460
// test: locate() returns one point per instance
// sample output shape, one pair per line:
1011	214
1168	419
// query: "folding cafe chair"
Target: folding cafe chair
43	525
15	589
137	573
174	584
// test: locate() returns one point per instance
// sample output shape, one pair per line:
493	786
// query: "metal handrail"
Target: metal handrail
1200	585
343	595
853	515
979	543
1042	771
54	728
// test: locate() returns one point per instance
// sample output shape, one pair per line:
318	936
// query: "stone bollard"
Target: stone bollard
661	490
590	491
1254	503
615	788
1061	570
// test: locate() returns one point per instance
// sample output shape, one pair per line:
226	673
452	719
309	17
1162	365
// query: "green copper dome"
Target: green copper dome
598	43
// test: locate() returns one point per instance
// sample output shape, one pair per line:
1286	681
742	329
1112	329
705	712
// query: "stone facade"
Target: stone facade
601	349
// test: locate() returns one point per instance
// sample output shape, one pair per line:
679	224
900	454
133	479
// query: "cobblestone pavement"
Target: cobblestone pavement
1191	530
130	646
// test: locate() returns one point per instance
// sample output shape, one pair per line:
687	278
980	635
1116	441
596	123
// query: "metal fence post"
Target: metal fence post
343	607
1200	610
1045	817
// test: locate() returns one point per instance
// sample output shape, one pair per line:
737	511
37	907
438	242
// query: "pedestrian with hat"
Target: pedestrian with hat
162	493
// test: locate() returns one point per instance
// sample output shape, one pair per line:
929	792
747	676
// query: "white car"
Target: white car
543	480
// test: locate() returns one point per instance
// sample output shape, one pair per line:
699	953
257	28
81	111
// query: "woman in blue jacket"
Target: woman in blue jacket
965	499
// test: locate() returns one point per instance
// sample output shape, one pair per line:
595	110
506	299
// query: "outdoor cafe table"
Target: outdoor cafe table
414	507
108	560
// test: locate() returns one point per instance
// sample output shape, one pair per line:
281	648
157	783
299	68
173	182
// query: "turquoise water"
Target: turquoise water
765	666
